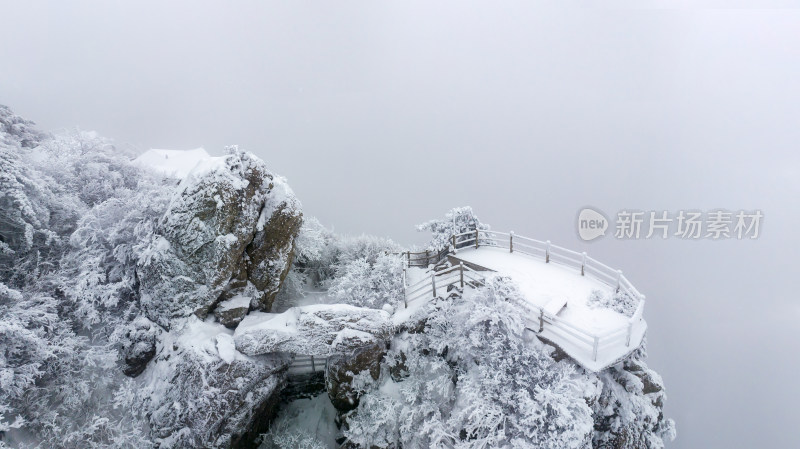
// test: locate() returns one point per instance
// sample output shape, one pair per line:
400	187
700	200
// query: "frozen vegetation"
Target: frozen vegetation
157	300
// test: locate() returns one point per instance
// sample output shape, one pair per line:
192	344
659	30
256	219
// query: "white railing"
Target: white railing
302	364
549	253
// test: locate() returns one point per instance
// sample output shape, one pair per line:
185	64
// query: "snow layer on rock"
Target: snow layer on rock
319	330
226	347
237	302
171	163
222	223
200	392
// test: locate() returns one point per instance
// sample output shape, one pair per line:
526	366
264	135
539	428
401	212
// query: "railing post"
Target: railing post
313	367
405	299
547	253
511	242
583	264
619	277
630	331
427	258
541	320
408	254
594	348
476	238
461	265
455	250
433	284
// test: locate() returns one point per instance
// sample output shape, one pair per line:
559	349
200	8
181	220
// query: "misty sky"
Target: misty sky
383	115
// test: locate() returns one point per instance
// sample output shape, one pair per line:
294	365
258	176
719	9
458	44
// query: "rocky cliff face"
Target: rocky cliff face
629	411
224	245
230	229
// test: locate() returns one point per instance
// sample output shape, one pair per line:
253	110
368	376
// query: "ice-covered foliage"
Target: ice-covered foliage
506	391
458	220
367	272
364	271
69	242
619	302
55	384
369	285
628	413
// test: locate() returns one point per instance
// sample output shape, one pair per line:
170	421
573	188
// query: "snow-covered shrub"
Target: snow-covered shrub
311	241
619	302
361	283
458	220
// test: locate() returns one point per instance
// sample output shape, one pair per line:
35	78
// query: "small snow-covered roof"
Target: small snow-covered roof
173	163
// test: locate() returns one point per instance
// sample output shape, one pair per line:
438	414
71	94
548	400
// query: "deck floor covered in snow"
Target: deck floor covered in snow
547	284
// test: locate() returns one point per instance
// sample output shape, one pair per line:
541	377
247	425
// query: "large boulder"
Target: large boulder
204	394
319	330
230	227
138	345
232	311
341	370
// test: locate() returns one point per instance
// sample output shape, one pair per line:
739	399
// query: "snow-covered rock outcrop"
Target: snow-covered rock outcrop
200	392
318	330
230	228
629	411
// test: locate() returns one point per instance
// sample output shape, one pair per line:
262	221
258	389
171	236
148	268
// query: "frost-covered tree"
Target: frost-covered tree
309	267
506	392
629	410
456	221
74	214
367	272
363	270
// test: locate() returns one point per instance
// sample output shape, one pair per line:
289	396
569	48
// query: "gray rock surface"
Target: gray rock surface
231	312
629	411
231	224
342	368
139	345
199	399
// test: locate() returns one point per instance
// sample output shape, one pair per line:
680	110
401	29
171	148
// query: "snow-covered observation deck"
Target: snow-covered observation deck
589	310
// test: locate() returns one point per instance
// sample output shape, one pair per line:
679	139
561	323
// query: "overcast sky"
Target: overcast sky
383	115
